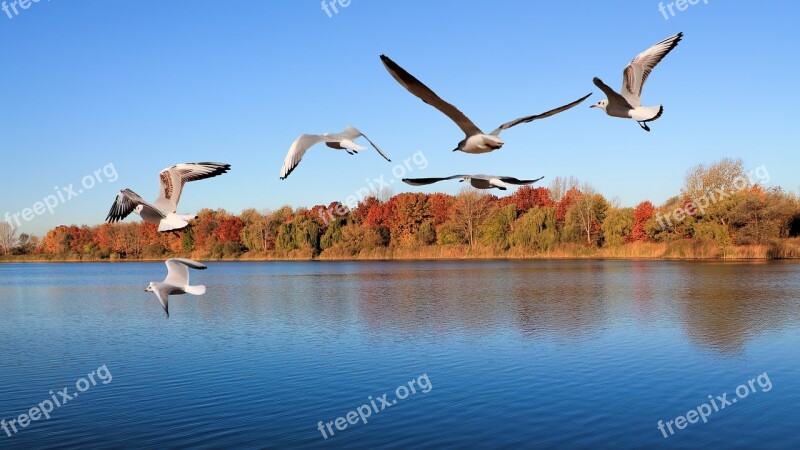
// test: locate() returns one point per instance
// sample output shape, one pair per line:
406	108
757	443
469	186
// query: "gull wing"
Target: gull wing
425	94
299	148
163	297
353	133
125	203
173	179
424	181
527	119
512	180
614	99
635	75
178	271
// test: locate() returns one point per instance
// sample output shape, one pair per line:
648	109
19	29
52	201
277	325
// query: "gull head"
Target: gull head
149	288
138	209
602	104
461	146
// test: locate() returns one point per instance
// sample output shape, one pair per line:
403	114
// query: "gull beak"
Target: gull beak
593	106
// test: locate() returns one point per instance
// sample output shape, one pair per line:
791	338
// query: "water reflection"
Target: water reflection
721	306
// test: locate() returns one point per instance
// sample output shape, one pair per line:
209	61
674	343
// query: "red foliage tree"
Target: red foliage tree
641	215
229	229
439	206
528	197
362	211
566	202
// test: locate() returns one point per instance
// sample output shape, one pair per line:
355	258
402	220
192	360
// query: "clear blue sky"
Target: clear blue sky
145	85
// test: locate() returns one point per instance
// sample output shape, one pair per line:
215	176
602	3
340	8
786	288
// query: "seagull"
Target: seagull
628	105
476	141
177	281
477	181
339	141
163	211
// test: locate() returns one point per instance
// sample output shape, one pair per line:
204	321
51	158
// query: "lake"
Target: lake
484	354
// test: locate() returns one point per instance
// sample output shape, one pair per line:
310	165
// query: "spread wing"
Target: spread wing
352	134
424	93
178	271
424	181
163	297
614	99
173	179
299	148
125	203
635	75
512	180
527	119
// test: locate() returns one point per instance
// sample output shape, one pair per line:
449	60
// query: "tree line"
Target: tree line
715	207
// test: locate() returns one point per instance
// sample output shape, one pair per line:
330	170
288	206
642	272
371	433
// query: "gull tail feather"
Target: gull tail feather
174	222
647	114
347	143
195	290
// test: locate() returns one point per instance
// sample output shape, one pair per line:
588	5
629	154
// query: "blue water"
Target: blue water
571	354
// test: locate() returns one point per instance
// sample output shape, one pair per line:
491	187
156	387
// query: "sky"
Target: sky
98	96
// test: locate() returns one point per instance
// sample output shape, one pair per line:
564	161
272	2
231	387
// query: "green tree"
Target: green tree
496	230
535	230
618	226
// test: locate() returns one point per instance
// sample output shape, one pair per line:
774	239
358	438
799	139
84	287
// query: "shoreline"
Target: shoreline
787	250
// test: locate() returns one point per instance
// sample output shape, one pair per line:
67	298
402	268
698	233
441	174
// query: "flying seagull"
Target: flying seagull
339	141
163	211
477	181
476	141
628	105
177	281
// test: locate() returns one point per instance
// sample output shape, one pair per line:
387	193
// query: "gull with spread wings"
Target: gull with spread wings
628	104
163	212
177	281
476	140
477	181
338	141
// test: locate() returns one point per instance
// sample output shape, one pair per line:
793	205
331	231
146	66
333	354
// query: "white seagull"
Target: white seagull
177	281
476	140
339	141
628	105
163	211
477	181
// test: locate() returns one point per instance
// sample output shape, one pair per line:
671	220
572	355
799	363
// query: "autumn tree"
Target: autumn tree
618	226
406	214
724	176
560	186
497	227
585	217
762	216
643	213
470	210
7	237
536	230
527	197
439	205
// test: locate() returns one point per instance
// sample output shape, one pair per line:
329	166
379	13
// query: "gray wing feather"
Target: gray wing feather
125	203
512	180
527	119
614	98
424	181
425	94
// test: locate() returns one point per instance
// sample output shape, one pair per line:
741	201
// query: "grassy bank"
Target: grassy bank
677	250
